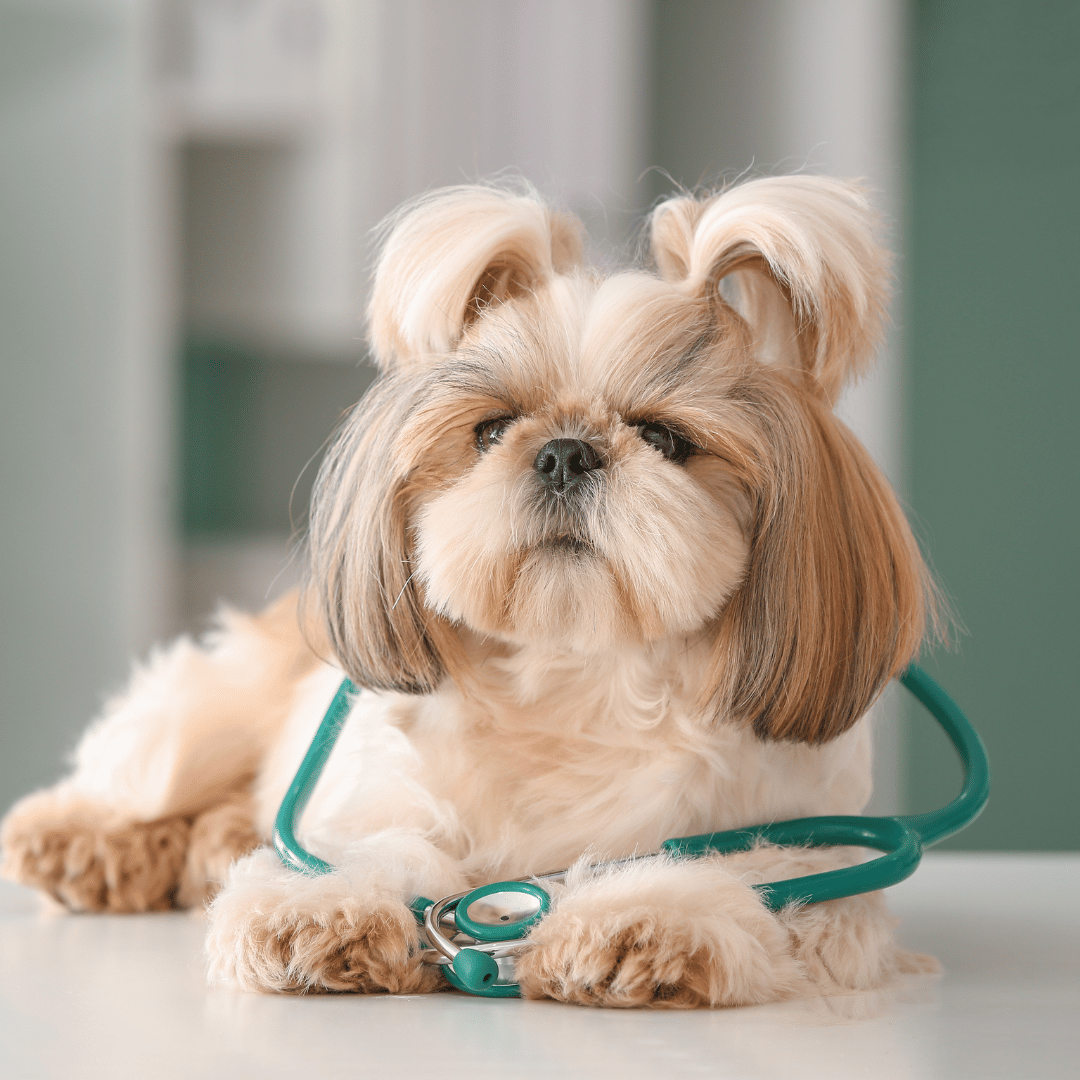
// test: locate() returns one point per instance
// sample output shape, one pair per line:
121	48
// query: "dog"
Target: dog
608	569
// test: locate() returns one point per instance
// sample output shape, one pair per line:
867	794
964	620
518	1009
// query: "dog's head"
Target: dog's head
558	458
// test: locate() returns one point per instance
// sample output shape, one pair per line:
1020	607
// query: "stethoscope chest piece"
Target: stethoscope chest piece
502	911
488	927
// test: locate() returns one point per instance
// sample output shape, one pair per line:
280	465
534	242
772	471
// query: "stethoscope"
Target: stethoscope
474	935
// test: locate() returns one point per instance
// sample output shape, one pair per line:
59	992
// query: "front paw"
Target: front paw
665	934
272	929
89	857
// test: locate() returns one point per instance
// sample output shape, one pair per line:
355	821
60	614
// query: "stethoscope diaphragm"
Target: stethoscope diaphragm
502	911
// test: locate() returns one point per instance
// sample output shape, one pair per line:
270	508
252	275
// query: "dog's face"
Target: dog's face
581	493
560	459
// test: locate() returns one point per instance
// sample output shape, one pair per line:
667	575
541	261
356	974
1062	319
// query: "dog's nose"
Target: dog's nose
562	463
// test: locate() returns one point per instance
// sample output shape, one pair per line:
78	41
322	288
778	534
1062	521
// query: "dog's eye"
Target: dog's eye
672	445
491	431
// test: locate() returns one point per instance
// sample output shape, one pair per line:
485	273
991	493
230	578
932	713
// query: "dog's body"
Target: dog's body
611	572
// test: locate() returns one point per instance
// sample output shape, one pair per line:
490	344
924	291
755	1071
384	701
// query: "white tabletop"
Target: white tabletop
124	996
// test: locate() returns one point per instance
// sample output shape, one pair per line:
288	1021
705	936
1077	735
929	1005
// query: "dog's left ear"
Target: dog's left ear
811	278
836	595
449	256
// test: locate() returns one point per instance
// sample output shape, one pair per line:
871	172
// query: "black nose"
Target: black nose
562	463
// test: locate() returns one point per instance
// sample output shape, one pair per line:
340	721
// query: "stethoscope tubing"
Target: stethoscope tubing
903	838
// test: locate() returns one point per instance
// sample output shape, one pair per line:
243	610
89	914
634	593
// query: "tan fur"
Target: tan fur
480	245
835	597
675	936
687	640
841	945
274	930
218	838
811	239
89	858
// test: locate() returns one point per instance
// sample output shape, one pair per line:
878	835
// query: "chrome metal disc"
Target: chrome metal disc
502	911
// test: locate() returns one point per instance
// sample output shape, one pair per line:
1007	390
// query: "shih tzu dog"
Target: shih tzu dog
608	569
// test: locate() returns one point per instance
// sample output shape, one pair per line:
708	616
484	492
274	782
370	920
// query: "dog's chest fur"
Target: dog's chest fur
546	756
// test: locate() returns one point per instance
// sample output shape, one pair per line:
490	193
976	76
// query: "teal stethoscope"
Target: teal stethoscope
475	934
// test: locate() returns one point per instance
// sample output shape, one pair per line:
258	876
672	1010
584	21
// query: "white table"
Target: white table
123	996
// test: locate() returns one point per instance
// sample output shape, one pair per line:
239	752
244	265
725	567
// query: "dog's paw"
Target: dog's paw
668	935
272	929
88	857
219	837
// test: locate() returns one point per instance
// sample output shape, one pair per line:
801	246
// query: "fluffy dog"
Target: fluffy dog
608	569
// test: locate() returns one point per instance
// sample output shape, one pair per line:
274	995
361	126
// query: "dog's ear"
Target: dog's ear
836	596
811	279
451	254
359	590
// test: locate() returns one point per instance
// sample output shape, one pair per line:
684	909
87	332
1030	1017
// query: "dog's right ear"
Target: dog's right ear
449	255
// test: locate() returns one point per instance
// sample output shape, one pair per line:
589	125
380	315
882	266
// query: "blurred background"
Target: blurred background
187	189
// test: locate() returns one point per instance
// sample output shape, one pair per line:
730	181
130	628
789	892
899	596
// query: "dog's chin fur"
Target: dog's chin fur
678	633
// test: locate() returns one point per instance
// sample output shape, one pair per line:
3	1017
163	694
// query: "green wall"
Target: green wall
253	428
994	442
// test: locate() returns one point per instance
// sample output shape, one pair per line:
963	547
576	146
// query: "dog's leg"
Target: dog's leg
273	929
218	838
842	945
694	933
674	934
159	768
91	858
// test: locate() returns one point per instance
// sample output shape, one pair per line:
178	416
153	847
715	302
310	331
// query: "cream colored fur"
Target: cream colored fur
684	641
